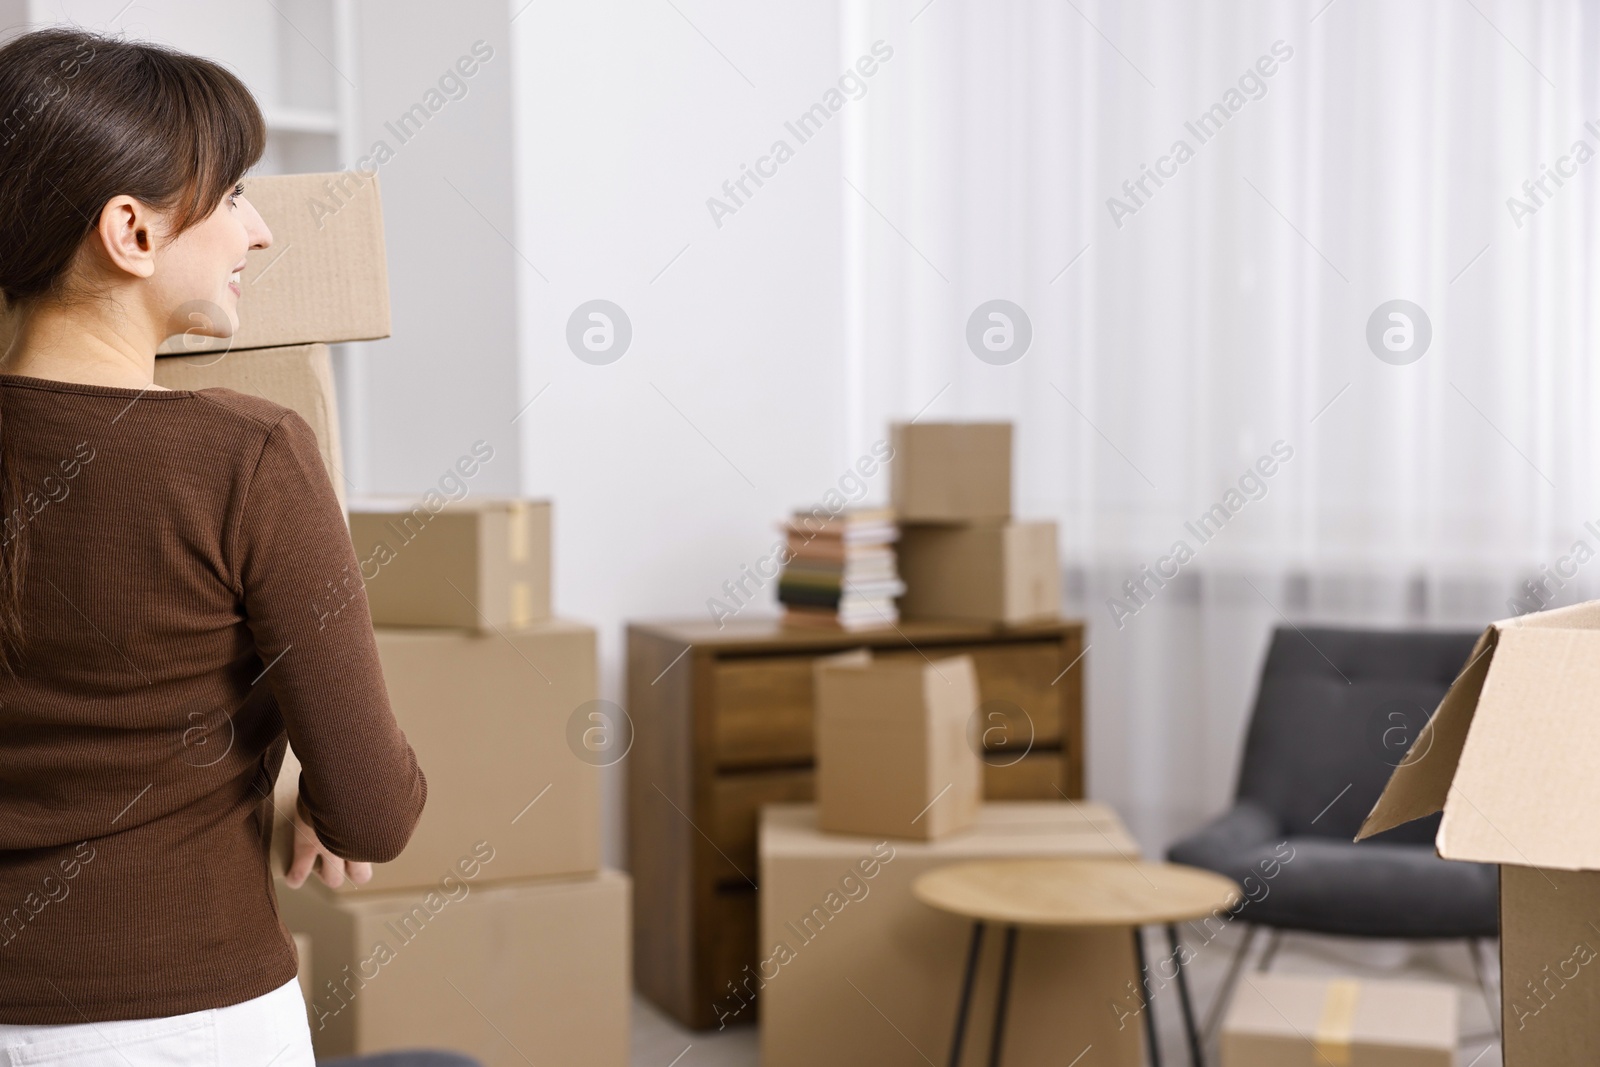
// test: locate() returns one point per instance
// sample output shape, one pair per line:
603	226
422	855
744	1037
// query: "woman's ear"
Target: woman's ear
127	236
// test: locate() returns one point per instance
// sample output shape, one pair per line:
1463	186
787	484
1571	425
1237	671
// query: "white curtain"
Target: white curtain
1229	312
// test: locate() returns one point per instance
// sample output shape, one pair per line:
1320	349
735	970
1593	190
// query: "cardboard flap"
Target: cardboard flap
1526	791
1420	785
1585	616
888	692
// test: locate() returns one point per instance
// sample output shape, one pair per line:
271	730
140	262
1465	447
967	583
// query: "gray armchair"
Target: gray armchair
1335	711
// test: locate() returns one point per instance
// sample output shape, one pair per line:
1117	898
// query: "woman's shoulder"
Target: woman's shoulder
245	407
259	428
278	440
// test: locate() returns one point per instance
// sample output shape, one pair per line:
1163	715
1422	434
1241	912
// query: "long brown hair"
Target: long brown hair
83	118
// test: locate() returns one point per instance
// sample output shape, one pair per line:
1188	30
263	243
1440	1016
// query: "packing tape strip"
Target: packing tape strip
521	604
1337	1025
517	532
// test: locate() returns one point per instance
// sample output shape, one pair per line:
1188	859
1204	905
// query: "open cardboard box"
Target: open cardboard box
1512	757
892	752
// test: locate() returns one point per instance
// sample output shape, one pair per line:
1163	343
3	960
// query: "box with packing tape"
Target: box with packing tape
1282	1020
478	564
1510	757
324	279
893	755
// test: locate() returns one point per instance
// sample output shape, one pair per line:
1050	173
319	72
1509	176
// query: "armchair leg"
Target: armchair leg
1274	942
1208	1029
1478	950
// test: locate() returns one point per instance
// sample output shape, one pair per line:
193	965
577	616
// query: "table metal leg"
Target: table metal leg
998	1035
1149	1000
973	951
1224	993
1196	1056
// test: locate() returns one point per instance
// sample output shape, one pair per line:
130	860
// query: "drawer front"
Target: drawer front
1036	776
736	801
762	713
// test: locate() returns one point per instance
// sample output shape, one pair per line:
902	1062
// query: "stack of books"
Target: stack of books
841	570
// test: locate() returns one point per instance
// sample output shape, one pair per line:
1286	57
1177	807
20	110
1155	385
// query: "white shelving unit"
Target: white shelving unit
311	108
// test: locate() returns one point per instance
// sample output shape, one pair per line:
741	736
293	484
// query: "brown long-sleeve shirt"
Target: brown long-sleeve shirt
178	546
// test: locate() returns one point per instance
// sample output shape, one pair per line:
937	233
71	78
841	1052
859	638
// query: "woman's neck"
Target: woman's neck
87	345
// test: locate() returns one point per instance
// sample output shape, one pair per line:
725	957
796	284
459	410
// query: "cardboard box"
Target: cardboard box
490	718
478	564
1282	1020
950	471
325	278
994	572
512	974
1510	757
299	377
879	986
893	757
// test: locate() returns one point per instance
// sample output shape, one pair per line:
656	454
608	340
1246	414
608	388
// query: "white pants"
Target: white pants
271	1029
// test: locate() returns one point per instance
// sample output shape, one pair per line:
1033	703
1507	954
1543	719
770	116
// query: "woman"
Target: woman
160	557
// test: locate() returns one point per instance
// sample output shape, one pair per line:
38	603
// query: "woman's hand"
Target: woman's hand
308	849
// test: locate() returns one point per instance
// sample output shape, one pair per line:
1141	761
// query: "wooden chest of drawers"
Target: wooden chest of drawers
722	725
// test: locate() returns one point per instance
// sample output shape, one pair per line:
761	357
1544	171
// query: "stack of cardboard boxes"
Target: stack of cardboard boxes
962	556
323	281
496	933
899	793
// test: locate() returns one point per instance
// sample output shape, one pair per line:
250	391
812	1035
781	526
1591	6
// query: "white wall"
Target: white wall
448	376
670	467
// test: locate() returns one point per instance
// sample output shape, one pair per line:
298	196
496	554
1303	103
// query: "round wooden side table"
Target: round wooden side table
1069	893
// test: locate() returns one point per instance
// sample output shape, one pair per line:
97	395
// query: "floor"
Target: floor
659	1042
